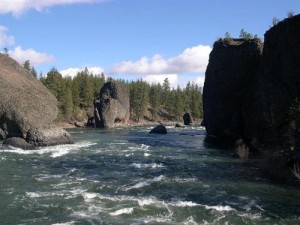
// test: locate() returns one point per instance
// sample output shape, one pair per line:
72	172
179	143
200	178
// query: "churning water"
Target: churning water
127	176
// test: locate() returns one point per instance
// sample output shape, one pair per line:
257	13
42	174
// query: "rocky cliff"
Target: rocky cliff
254	94
232	68
25	103
113	105
280	83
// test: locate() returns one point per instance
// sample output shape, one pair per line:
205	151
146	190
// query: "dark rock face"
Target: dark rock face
48	135
188	119
19	143
113	105
256	96
232	69
280	78
24	101
160	129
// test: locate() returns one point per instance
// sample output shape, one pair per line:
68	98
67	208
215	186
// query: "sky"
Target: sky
130	39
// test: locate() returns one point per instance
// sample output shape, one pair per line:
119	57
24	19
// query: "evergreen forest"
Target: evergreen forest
147	101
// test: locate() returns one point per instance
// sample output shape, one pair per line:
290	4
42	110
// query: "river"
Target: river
127	176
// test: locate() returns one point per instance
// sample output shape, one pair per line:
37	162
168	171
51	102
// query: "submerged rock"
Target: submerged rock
160	129
113	105
18	143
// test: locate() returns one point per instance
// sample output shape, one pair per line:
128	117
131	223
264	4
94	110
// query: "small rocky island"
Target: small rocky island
113	105
27	109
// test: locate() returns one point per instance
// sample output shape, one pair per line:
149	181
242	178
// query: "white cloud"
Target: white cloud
5	40
17	7
154	79
191	60
35	58
72	72
200	81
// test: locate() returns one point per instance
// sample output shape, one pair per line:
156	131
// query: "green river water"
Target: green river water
127	176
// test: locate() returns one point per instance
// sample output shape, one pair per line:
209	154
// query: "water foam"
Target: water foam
145	183
122	211
67	223
148	166
184	204
220	208
55	151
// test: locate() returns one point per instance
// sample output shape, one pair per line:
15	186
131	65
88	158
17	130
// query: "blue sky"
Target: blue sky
130	39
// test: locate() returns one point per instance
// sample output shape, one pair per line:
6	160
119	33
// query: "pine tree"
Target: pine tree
33	72
26	65
54	82
166	90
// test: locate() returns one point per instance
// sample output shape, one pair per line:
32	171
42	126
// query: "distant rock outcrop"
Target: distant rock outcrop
113	105
188	119
253	95
160	129
25	103
231	72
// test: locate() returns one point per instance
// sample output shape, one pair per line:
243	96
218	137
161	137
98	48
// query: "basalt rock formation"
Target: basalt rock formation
252	90
187	119
232	66
113	105
280	82
25	103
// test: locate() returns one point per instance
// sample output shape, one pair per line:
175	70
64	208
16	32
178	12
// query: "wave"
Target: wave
67	223
220	208
150	166
54	151
145	183
122	211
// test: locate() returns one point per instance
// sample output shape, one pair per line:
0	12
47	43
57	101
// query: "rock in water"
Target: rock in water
18	143
160	129
48	135
188	119
113	106
179	125
25	102
231	71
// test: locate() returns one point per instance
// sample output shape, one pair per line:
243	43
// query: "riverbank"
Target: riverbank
143	123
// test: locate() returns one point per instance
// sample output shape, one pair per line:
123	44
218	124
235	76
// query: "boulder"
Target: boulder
113	105
160	129
48	135
24	101
18	143
231	73
188	119
179	125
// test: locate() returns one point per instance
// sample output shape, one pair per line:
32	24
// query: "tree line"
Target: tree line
147	101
